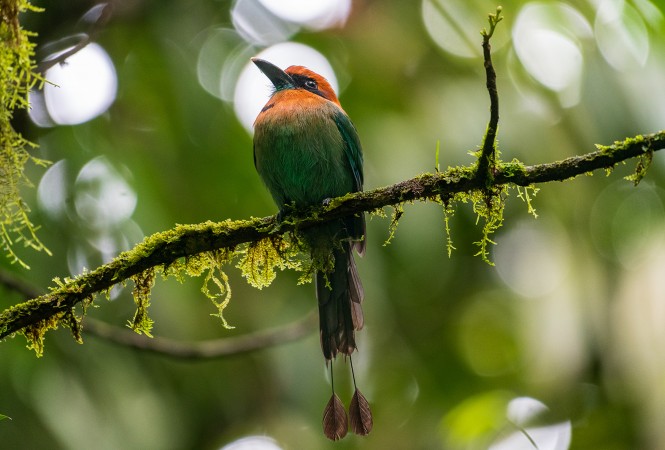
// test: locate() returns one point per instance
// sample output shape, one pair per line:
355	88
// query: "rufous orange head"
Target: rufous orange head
297	77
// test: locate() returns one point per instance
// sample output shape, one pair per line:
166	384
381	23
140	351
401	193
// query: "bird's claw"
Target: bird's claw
280	216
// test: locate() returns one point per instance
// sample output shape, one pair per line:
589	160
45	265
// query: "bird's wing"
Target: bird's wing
354	154
352	148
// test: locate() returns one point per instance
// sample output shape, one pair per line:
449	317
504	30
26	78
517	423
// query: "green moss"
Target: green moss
633	140
220	295
524	195
258	263
143	283
448	213
457	173
261	258
514	168
604	148
17	78
489	207
642	167
488	204
335	202
35	333
398	211
73	322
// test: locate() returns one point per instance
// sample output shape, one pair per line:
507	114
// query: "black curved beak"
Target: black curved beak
280	79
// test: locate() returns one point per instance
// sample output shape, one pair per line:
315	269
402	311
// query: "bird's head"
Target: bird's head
296	77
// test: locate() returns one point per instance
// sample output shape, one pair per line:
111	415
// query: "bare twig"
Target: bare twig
487	158
16	284
209	349
214	348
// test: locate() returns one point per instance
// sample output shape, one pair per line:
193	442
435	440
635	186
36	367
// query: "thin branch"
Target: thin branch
209	349
187	240
103	12
18	285
487	158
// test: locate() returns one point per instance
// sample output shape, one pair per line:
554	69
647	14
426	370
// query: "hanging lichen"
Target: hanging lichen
17	78
215	274
398	211
261	258
143	283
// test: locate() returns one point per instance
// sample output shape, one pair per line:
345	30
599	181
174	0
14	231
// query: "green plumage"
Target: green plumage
306	150
303	160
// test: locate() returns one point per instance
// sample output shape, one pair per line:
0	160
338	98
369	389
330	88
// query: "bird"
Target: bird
307	151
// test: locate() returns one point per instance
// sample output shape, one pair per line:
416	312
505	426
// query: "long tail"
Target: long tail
339	294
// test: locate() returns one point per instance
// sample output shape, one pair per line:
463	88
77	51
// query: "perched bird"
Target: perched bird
306	151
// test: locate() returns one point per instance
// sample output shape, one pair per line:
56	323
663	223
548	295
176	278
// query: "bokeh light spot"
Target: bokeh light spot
650	12
222	57
530	259
487	340
551	58
253	443
625	220
253	88
547	42
523	413
318	15
520	422
621	35
473	419
258	25
102	196
451	25
52	191
83	87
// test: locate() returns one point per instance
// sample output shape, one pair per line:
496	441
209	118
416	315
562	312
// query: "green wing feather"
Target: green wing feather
354	154
352	148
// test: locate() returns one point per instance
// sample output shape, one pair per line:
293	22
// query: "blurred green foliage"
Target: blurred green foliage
570	315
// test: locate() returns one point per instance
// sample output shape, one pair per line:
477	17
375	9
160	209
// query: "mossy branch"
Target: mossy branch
204	249
208	349
186	241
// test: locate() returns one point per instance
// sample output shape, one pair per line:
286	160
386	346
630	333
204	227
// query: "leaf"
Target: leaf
335	421
360	415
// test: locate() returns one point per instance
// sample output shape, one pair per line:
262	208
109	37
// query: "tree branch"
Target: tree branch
219	241
214	348
487	158
163	249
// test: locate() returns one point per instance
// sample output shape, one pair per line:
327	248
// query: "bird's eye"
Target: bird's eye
310	84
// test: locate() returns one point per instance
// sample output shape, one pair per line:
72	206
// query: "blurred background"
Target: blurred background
560	345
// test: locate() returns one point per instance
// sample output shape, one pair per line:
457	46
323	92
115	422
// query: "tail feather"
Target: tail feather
356	294
339	296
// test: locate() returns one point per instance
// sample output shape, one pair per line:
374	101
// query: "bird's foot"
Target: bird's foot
280	216
285	211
